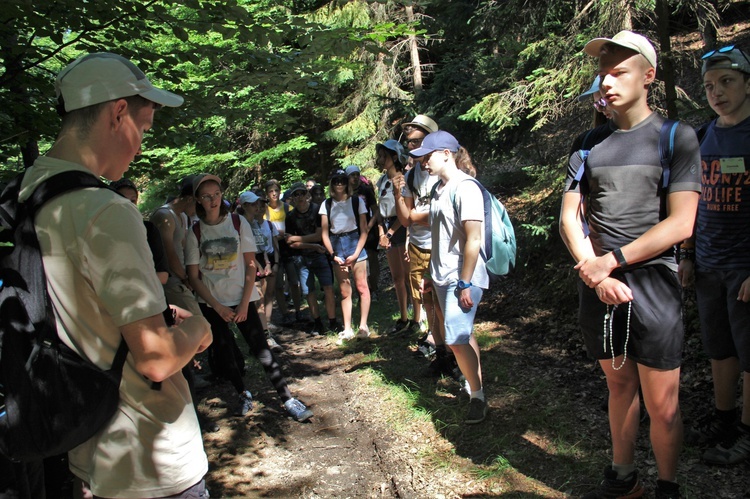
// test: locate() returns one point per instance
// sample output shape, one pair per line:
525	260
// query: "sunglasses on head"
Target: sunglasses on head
724	50
385	188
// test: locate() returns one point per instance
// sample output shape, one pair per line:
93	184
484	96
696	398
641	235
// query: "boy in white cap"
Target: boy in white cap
630	301
103	287
718	256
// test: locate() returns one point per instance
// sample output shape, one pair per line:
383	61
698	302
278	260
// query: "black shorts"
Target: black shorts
725	321
656	331
399	236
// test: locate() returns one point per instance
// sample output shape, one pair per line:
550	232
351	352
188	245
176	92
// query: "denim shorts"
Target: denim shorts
459	322
311	266
344	245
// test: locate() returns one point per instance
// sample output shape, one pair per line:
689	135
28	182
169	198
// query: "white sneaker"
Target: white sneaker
364	332
345	335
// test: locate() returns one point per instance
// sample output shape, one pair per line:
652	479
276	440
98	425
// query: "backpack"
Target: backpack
51	399
355	208
499	249
666	149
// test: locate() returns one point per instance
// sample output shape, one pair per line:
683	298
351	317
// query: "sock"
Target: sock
726	416
479	394
623	470
667	486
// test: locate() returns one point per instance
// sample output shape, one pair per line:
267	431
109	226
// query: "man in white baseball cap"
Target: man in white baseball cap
102	285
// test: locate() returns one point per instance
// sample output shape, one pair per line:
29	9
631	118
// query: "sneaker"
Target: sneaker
477	411
273	328
298	410
611	487
345	335
399	326
335	326
667	490
272	343
364	332
733	450
708	431
412	327
316	328
246	403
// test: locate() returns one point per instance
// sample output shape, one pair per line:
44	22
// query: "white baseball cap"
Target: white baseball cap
102	77
627	39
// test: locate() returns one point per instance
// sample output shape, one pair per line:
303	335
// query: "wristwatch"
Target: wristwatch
463	285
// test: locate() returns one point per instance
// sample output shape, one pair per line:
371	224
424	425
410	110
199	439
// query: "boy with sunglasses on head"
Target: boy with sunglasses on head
718	256
630	298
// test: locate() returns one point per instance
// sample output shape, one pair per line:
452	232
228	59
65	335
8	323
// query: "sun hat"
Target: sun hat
729	57
396	147
627	39
437	141
204	177
592	90
424	122
101	77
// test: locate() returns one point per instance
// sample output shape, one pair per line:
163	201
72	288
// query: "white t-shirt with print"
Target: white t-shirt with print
448	234
220	259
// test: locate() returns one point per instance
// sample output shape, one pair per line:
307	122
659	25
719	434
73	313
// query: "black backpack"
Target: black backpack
51	400
355	208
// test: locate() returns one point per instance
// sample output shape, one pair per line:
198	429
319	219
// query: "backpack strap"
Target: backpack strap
60	184
703	130
236	222
410	181
197	232
486	251
355	207
666	148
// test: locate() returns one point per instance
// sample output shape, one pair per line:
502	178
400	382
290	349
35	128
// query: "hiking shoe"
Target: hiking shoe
477	411
345	335
246	403
667	490
732	450
398	326
298	410
364	332
411	327
612	488
709	431
272	343
335	326
316	328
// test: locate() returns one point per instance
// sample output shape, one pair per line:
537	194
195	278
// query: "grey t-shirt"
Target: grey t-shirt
624	177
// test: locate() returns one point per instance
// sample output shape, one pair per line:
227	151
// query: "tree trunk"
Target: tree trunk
23	121
666	74
708	31
414	49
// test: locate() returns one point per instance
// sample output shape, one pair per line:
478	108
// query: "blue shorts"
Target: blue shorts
311	266
459	322
344	245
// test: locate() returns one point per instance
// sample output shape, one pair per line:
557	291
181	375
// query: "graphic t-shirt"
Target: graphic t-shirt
722	240
220	259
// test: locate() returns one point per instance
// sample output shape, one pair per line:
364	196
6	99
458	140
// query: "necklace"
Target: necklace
609	319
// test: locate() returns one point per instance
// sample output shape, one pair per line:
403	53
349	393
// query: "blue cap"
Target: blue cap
352	169
436	141
594	88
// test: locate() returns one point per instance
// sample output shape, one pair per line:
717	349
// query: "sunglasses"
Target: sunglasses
600	104
339	181
299	194
724	50
414	142
385	188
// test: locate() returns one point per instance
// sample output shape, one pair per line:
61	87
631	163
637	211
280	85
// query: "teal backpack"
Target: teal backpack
499	249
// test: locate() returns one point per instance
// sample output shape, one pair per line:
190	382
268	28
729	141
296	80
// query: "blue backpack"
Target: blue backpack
666	148
499	249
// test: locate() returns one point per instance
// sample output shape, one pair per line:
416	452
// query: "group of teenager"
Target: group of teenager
650	207
621	220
